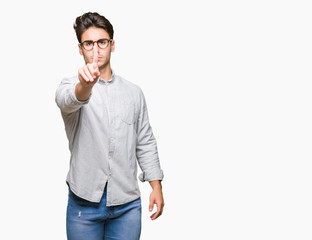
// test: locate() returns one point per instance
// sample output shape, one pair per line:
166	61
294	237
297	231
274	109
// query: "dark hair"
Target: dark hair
92	19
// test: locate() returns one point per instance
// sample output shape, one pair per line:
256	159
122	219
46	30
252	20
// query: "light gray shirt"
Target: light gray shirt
108	134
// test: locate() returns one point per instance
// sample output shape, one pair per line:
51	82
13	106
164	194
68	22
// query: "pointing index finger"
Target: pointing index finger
95	56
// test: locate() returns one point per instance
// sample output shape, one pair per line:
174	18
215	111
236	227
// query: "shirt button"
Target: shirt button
109	157
112	139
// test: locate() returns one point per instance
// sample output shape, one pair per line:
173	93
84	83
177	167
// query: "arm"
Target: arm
66	99
147	155
70	95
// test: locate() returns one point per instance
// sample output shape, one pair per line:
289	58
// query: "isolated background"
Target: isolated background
228	88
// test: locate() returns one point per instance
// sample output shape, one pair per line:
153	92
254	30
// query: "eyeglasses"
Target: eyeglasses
102	43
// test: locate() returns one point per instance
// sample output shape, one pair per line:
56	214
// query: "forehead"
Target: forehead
94	33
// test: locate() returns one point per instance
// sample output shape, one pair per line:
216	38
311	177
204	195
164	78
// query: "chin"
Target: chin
103	65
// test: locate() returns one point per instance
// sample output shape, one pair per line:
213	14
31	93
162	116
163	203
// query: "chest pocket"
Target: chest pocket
127	113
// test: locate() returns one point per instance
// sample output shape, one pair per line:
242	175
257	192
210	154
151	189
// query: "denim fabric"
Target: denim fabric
95	221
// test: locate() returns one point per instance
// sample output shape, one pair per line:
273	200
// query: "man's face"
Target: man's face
94	34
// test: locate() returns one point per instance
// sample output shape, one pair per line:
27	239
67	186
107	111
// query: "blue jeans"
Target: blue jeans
95	221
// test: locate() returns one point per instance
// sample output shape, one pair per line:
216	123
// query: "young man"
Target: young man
108	130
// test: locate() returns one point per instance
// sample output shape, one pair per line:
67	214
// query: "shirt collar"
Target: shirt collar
110	80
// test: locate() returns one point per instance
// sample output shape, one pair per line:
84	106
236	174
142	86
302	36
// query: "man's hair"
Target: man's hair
92	19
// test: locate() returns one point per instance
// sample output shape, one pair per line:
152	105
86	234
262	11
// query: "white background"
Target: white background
228	88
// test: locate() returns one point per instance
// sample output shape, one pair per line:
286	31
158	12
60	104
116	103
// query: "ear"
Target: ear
80	50
113	46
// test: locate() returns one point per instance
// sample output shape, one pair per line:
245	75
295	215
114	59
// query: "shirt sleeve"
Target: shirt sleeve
146	147
65	96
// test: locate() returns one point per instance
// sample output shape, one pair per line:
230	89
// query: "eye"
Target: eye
102	41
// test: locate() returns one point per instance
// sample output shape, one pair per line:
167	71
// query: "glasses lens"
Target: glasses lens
87	45
102	43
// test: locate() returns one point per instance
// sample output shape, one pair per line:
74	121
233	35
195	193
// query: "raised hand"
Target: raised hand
89	73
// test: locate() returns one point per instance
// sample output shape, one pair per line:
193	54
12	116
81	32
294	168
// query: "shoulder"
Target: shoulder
130	86
68	80
131	92
67	83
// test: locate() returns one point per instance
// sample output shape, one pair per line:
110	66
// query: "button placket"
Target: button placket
111	136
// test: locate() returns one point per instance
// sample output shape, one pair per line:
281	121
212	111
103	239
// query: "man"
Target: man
108	130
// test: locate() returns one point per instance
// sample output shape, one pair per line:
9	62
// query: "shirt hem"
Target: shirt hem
123	202
73	189
108	204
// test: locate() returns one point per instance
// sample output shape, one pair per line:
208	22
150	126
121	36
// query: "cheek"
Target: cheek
103	54
88	58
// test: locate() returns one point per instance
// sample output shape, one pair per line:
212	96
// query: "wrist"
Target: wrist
84	86
82	92
156	185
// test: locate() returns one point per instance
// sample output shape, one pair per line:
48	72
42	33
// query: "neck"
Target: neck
105	72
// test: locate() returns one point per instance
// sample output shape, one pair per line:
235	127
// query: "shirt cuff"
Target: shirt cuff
151	176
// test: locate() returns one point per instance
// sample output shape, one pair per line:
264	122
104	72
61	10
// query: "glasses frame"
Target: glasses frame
97	42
